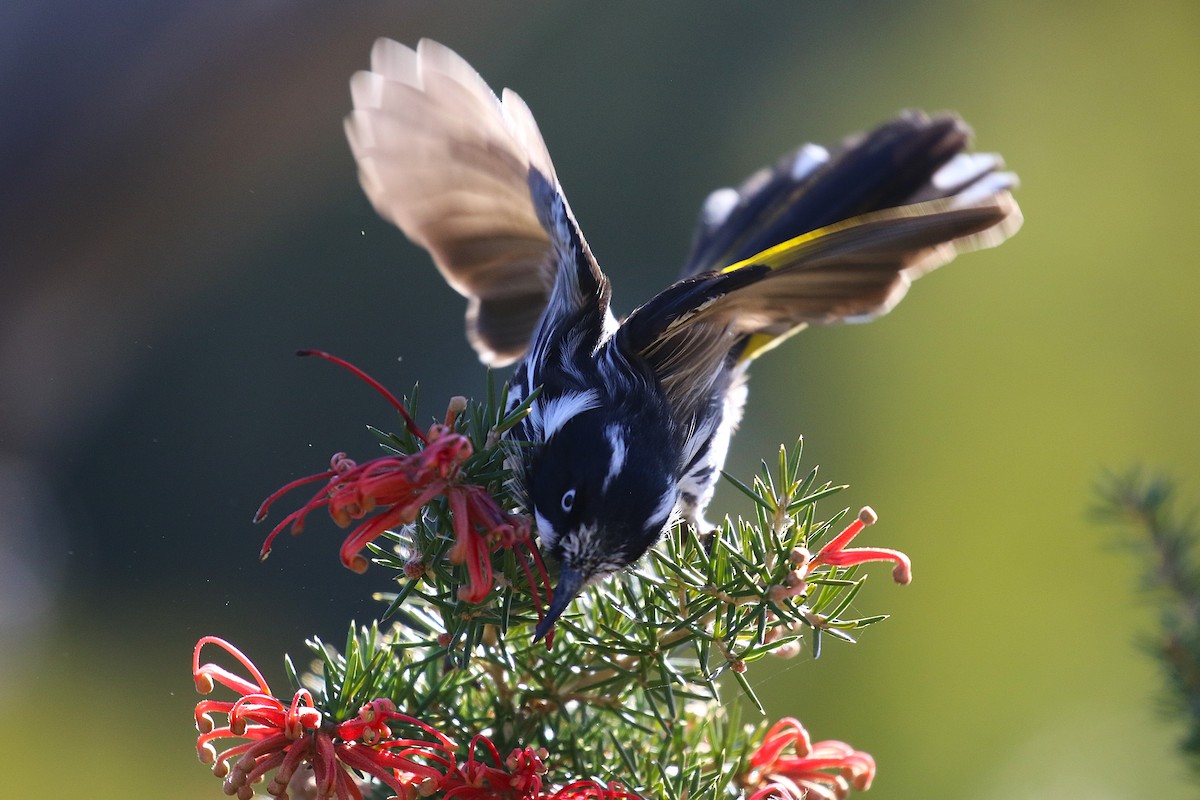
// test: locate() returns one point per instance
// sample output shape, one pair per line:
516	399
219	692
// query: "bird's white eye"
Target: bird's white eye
568	500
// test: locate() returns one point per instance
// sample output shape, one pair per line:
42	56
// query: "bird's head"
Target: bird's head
603	487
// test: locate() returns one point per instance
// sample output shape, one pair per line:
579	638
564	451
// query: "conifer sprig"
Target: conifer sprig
1142	506
634	670
623	699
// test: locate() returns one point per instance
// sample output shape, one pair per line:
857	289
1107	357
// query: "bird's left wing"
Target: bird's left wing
467	176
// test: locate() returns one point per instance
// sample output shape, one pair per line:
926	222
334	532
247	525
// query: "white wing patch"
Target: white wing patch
719	206
963	169
549	419
990	184
808	159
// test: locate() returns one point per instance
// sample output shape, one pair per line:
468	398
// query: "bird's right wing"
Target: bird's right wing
467	176
851	271
820	237
908	159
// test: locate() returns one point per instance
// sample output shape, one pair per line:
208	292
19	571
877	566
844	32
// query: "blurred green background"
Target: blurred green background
180	212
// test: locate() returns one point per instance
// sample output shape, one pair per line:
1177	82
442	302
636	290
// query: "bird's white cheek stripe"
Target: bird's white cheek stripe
617	462
558	412
545	530
666	504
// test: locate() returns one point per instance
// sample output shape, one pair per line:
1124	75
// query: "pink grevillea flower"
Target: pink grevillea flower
483	776
390	491
789	766
282	737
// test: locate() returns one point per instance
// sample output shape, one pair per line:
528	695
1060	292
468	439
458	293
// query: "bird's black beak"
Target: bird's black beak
570	584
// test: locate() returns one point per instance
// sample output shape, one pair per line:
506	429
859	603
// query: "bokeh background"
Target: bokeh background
179	212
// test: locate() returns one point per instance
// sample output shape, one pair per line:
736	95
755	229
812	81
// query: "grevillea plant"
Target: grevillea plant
448	695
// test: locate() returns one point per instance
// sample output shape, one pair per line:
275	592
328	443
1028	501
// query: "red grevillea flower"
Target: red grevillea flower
789	766
836	554
591	790
282	737
483	776
390	491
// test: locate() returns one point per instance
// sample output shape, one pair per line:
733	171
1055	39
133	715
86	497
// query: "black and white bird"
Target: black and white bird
633	421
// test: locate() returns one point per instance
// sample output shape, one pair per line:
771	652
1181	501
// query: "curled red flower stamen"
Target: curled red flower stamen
390	491
282	737
395	486
836	554
521	776
789	766
412	426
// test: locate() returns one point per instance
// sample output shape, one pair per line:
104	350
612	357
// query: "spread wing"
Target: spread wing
908	159
467	176
851	270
